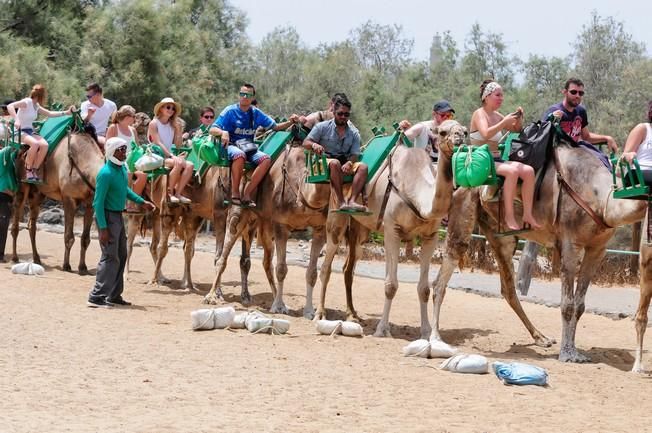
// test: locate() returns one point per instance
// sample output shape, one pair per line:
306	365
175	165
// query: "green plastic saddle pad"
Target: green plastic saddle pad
8	179
376	152
275	143
472	165
54	129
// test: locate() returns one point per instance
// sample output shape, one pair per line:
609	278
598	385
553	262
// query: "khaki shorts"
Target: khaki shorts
356	165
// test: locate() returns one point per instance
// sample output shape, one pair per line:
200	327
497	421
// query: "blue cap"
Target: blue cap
442	106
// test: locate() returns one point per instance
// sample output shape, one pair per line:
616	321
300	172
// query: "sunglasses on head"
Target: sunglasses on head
343	114
575	92
170	107
246	95
208	116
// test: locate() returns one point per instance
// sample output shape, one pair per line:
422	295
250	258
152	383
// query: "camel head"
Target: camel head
450	134
141	123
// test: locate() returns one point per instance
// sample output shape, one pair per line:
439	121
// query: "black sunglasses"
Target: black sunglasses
343	114
208	116
575	92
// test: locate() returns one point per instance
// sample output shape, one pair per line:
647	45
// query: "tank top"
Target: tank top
28	114
644	152
476	138
166	133
128	138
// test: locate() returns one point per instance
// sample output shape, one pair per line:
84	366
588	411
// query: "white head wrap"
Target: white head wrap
489	89
111	145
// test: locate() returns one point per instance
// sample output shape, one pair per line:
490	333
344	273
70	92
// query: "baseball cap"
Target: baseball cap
442	106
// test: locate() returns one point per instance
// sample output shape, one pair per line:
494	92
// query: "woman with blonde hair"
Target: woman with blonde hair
121	126
166	131
24	113
487	126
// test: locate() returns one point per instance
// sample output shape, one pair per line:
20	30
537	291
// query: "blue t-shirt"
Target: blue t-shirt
242	124
571	122
325	134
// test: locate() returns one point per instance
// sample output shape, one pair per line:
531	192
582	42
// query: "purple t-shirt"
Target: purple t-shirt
571	122
242	124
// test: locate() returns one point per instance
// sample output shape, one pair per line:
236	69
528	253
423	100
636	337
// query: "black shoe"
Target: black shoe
118	301
98	303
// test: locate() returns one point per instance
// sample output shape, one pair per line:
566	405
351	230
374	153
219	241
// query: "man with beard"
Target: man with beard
340	142
573	118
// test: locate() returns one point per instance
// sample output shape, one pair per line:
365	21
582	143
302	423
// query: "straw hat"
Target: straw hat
166	101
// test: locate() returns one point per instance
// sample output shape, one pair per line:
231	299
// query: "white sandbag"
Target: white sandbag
351	329
202	319
149	161
466	363
280	326
223	317
439	349
239	321
419	348
27	268
329	327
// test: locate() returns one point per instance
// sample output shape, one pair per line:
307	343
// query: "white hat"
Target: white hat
111	145
166	101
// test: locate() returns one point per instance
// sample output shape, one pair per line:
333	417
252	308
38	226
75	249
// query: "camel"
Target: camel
577	238
286	203
415	207
70	172
645	271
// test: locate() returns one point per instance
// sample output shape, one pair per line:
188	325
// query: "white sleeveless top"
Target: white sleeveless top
28	114
644	152
166	132
128	138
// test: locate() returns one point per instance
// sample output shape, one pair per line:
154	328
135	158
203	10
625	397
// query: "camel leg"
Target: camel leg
245	263
317	243
17	216
281	234
157	229
166	227
645	275
219	231
354	251
569	260
265	238
85	239
428	245
504	250
392	246
465	202
335	229
69	210
34	209
191	225
215	295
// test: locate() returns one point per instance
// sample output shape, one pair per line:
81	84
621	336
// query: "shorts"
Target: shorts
356	165
234	152
28	131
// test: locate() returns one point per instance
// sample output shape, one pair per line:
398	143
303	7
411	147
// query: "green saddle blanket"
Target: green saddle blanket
8	179
54	129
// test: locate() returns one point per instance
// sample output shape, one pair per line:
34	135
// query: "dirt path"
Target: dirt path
65	367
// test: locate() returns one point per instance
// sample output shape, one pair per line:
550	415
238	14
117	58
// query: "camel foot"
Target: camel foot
214	298
319	315
66	266
573	355
352	316
245	297
309	312
14	259
162	279
543	341
638	369
37	260
382	331
279	307
189	286
83	270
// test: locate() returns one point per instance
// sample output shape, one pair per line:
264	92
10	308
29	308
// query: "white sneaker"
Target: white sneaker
174	199
184	200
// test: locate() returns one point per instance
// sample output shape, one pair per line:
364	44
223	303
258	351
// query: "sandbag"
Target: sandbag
352	329
466	363
214	318
257	322
439	349
472	165
518	373
27	268
418	348
149	161
239	321
329	327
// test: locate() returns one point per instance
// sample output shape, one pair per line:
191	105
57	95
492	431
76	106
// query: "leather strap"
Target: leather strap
575	196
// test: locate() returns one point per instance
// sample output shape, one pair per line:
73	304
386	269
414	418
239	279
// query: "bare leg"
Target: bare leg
140	182
509	191
41	153
258	175
186	174
336	181
359	180
237	167
527	194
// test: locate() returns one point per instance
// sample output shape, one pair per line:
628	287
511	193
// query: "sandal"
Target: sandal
184	200
173	199
249	204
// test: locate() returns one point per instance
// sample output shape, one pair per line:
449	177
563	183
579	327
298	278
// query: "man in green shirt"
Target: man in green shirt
111	194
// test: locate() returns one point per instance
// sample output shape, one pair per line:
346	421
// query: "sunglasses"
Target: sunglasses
90	96
170	107
121	149
343	114
446	115
208	116
575	92
246	95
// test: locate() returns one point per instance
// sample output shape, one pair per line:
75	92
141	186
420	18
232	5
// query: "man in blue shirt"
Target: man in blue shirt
237	123
111	194
340	142
573	117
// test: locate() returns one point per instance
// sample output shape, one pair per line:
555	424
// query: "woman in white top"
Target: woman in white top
639	145
487	125
121	126
28	110
166	131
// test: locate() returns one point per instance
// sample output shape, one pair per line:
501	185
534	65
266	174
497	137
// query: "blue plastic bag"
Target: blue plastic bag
517	373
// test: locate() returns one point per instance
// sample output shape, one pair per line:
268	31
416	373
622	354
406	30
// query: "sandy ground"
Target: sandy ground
65	367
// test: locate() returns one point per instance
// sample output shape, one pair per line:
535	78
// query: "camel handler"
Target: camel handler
422	134
111	193
341	144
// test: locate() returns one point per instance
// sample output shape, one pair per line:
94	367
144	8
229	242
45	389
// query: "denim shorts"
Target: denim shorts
28	131
234	152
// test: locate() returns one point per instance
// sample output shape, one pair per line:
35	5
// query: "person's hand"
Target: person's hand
558	114
629	156
149	205
347	168
91	111
105	237
225	138
185	136
611	143
404	125
294	118
317	148
71	109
